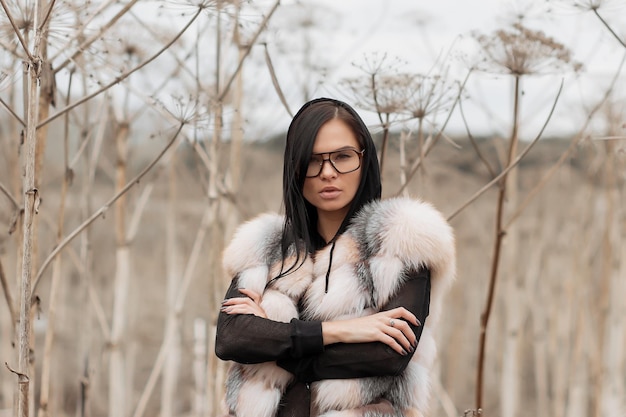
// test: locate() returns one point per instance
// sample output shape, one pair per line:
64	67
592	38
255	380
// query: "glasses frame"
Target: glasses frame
332	164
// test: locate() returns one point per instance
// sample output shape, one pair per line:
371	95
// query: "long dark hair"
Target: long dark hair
300	228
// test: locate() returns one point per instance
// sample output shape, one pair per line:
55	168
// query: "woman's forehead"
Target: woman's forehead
334	135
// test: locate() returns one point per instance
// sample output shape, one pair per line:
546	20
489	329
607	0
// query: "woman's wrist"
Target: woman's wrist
331	332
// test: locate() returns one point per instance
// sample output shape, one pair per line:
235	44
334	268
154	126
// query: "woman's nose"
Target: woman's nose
328	170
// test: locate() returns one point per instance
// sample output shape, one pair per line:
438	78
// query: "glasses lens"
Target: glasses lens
315	166
345	161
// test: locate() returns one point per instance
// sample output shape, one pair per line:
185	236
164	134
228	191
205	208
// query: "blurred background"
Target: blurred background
135	136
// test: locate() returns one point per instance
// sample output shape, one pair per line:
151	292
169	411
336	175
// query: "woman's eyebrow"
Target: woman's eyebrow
344	148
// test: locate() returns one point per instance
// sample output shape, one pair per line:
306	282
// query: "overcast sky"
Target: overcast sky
421	32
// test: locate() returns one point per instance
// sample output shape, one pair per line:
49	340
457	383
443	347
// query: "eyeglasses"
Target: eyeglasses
343	160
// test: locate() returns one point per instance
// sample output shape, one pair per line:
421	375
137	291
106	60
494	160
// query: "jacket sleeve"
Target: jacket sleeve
358	360
246	338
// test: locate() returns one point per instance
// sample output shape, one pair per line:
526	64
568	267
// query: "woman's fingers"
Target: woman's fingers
250	304
398	328
393	343
255	296
403	313
402	335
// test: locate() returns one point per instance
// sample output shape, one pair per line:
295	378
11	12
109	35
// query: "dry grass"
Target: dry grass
564	212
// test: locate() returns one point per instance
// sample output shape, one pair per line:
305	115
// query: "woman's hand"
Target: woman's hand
390	327
250	304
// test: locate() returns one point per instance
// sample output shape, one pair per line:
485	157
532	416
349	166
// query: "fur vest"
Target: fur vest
385	239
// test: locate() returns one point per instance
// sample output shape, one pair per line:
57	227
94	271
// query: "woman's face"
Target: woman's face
332	192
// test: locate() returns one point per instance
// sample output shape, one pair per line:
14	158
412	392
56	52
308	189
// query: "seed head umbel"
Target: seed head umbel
522	51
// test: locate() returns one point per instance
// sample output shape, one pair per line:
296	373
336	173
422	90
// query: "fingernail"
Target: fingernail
404	352
415	344
419	323
411	349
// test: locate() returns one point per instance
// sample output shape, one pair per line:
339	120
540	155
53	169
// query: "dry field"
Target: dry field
562	279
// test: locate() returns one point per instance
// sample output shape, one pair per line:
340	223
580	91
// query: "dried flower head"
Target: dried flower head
23	14
184	109
381	89
589	5
387	91
429	94
522	51
187	7
58	31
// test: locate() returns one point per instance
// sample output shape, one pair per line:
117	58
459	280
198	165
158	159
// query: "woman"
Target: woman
328	302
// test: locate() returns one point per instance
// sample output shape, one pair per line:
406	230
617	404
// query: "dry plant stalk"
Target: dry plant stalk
46	363
518	53
32	71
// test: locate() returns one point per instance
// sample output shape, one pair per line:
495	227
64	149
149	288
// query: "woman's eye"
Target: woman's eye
342	155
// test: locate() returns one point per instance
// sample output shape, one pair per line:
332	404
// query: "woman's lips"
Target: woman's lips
330	193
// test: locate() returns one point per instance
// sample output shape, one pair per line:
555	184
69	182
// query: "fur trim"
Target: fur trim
385	240
403	232
253	244
253	256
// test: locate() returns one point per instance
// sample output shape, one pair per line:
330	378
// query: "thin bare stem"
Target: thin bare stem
518	211
497	249
247	51
609	138
7	294
12	49
78	33
103	209
512	165
571	148
147	25
6	192
10	110
419	161
17	30
142	201
47	16
604	22
383	148
157	368
492	172
275	83
121	77
83	47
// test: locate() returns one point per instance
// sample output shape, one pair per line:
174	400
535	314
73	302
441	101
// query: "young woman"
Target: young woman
326	313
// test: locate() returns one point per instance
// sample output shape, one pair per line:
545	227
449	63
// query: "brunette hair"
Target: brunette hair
300	228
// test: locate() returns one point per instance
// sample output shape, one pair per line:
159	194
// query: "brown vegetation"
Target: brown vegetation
116	201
